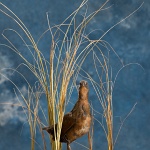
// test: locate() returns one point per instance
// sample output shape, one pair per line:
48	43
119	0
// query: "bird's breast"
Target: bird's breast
84	125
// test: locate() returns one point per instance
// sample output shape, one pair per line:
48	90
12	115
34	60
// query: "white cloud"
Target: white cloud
129	23
5	62
8	108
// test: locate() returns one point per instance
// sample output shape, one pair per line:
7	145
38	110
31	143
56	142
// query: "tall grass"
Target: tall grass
56	76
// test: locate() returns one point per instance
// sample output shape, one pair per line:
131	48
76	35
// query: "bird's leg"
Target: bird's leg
68	142
68	146
90	142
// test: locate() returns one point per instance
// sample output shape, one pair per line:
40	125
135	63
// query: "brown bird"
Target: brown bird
77	122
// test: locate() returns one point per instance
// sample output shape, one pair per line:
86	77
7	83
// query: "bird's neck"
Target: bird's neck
83	97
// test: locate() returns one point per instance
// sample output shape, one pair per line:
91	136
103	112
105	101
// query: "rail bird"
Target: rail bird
77	122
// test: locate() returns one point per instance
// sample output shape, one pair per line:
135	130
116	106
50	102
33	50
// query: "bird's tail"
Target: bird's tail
46	128
50	130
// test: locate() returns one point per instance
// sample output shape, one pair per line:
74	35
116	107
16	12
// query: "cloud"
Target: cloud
130	23
5	62
9	111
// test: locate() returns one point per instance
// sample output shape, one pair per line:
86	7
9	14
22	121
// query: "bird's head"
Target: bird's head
83	90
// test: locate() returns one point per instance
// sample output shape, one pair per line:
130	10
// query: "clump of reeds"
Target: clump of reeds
64	64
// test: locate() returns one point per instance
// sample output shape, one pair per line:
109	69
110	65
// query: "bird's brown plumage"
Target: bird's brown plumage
77	122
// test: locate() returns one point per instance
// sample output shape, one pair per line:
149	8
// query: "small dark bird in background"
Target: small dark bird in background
77	122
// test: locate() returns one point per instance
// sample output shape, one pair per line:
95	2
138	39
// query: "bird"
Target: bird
77	122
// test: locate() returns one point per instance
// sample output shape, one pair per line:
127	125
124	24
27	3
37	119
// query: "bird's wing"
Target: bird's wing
68	123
